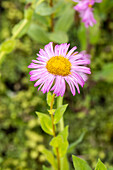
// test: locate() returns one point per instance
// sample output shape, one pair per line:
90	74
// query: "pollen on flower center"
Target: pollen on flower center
59	65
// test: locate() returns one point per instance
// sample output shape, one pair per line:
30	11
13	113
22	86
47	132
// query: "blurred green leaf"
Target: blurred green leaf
66	20
74	144
94	32
21	28
49	98
45	168
100	166
59	113
80	164
64	163
49	156
38	34
81	34
105	7
58	37
105	74
44	9
8	45
46	123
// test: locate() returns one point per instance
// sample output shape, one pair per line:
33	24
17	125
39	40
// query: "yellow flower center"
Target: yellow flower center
90	6
59	65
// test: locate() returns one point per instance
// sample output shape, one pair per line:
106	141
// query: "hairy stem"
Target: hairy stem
54	133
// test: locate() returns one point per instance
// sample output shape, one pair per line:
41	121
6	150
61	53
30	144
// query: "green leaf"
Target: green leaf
45	168
8	45
61	142
94	32
46	123
100	166
44	9
64	163
59	113
74	144
38	34
105	74
49	156
58	37
21	28
80	164
66	20
82	36
49	98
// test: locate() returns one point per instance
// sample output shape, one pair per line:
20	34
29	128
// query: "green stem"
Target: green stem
54	133
2	54
64	160
59	103
20	28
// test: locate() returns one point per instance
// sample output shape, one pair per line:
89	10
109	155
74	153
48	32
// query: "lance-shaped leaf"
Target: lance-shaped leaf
100	166
59	113
80	164
61	142
66	20
46	123
50	158
74	144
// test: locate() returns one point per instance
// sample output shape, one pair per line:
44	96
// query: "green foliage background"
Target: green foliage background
89	114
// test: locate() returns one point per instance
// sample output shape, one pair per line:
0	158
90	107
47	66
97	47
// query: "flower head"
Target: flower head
84	7
54	67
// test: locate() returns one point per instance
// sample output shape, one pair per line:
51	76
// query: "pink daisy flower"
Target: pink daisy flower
84	7
54	67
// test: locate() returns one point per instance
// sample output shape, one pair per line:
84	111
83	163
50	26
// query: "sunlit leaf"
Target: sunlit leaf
60	142
46	123
80	164
100	166
59	113
49	156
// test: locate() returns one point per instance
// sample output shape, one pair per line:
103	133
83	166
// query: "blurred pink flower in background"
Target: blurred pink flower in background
84	7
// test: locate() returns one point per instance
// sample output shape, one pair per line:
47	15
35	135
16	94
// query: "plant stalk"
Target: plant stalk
54	133
52	17
64	160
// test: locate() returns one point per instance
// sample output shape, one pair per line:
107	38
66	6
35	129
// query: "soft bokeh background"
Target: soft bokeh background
89	114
